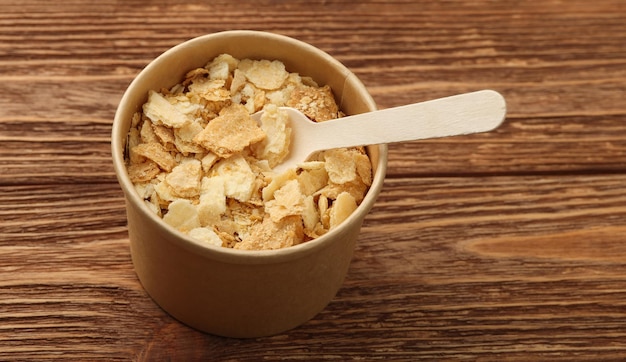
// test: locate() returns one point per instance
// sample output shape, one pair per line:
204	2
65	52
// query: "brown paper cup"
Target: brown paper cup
238	293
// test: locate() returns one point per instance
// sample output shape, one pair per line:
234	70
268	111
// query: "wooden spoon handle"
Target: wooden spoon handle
461	114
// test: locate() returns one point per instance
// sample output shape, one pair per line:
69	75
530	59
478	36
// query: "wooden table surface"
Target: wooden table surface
502	246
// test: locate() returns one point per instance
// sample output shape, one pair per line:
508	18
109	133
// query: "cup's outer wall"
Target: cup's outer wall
237	300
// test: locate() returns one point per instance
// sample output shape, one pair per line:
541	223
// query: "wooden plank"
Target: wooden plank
445	268
542	145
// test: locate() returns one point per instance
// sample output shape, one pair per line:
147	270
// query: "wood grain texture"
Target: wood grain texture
502	246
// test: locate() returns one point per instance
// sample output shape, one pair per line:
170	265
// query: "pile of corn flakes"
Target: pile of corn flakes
203	164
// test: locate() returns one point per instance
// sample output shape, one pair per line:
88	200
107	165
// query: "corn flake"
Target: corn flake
264	74
239	180
157	153
160	111
316	103
182	215
343	206
270	235
340	165
143	172
206	235
230	133
288	200
212	202
184	180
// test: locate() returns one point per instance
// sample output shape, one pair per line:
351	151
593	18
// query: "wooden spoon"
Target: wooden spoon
461	114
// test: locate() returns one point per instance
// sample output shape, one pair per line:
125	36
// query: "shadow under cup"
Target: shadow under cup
239	293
